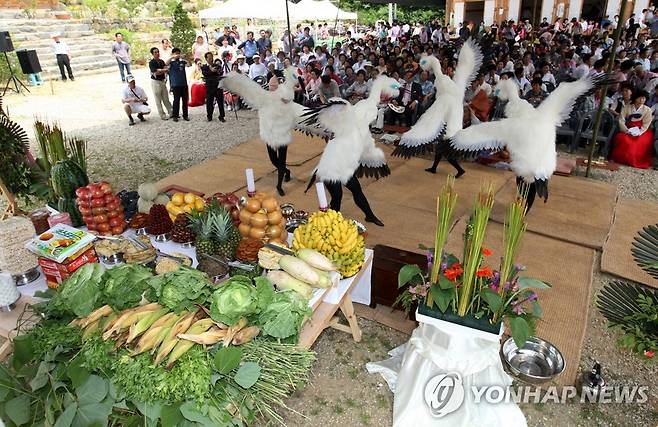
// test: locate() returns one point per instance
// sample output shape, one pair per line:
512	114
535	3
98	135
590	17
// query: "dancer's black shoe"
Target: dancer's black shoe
287	176
460	174
279	189
375	221
430	170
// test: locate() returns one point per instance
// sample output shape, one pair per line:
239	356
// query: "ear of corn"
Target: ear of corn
245	335
181	346
140	327
181	325
90	329
210	337
105	310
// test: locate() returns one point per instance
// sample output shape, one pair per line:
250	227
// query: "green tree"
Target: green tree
182	31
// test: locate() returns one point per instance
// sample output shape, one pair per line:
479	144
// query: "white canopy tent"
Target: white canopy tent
271	9
319	10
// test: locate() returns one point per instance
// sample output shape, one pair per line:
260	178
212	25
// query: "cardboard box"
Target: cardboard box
57	272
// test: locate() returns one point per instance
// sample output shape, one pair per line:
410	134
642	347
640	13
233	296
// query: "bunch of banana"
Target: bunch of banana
165	334
335	237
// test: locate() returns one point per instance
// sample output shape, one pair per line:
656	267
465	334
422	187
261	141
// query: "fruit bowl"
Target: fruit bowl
141	231
536	362
161	238
28	277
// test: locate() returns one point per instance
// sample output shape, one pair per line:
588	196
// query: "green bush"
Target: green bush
128	36
139	50
97	7
182	31
4	68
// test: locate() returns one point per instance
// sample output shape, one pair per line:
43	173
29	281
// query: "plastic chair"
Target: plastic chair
607	130
571	128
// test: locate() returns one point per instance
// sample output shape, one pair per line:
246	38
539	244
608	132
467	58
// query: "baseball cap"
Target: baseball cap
130	78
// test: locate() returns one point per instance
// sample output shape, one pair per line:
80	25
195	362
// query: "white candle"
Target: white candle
322	196
251	185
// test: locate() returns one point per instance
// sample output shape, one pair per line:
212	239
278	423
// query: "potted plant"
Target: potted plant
470	291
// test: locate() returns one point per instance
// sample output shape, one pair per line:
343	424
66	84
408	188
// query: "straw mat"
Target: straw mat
630	217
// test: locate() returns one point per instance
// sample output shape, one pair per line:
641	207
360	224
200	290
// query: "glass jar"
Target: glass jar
39	218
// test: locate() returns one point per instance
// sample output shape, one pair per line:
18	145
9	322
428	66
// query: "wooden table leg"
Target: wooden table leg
348	311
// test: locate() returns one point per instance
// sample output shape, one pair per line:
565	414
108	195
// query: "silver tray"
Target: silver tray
27	277
536	362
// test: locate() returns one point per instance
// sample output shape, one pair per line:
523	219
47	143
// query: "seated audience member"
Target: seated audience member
134	100
536	94
349	77
257	68
241	64
329	71
359	89
327	89
197	86
633	144
427	89
407	102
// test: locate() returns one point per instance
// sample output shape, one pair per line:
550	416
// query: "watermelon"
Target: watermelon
66	177
70	206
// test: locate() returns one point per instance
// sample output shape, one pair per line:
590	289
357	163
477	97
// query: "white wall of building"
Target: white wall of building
489	6
547	10
612	8
574	9
459	13
513	10
639	5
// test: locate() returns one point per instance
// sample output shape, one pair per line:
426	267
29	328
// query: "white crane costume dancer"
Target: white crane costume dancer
528	133
351	152
277	115
445	117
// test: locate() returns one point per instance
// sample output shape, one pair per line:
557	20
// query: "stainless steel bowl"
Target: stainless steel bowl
287	209
292	224
187	245
536	362
141	231
27	277
161	238
117	258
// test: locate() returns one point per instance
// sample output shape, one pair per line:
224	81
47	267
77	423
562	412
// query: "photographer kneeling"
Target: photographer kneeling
134	101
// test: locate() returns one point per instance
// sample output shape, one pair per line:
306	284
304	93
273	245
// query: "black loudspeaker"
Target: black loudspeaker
5	42
29	61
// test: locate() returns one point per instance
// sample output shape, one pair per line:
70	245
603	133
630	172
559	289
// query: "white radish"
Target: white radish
285	281
316	259
299	270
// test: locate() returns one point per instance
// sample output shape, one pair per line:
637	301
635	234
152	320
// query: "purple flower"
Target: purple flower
444	266
518	309
507	286
532	297
519	267
494	286
412	290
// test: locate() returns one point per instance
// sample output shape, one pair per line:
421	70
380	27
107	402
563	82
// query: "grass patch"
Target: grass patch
365	418
382	401
338	410
350	403
353	373
319	400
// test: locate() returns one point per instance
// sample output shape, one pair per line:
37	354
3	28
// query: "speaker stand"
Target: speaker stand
13	80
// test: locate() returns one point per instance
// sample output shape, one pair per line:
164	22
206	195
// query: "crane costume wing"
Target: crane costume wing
445	115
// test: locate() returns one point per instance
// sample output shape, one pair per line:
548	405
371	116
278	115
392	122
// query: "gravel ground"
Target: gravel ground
341	392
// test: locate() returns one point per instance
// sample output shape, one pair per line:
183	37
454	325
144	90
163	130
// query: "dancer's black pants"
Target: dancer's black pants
438	156
336	192
532	190
278	159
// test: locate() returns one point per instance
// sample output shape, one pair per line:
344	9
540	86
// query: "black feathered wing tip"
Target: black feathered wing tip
407	151
447	150
311	181
314	131
373	172
541	185
618	300
312	114
645	250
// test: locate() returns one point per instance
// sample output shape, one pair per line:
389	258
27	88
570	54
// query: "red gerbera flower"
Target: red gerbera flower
484	272
649	354
486	252
453	273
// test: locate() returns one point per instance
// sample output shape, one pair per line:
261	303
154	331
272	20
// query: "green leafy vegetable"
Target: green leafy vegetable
47	336
79	294
124	285
180	290
284	316
247	374
236	298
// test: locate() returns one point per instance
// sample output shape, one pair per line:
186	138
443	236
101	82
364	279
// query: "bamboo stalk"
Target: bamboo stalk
604	89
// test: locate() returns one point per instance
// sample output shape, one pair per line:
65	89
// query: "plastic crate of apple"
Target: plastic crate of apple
261	218
335	237
101	209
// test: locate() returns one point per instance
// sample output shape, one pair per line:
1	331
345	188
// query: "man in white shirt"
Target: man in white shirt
257	68
134	100
243	67
583	69
63	55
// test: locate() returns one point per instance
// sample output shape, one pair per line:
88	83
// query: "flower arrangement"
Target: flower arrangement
471	287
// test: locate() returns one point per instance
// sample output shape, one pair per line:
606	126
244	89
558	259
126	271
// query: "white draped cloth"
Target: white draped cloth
467	358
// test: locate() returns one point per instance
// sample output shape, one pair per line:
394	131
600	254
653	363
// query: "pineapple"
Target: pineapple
225	236
201	224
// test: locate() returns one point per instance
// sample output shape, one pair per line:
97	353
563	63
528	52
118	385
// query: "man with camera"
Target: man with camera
212	71
178	82
134	101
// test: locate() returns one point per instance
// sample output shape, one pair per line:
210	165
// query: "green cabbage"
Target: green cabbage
284	316
236	298
80	293
180	290
124	285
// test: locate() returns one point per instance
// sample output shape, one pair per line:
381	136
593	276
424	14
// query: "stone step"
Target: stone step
76	50
53	69
92	40
45	35
81	61
33	28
